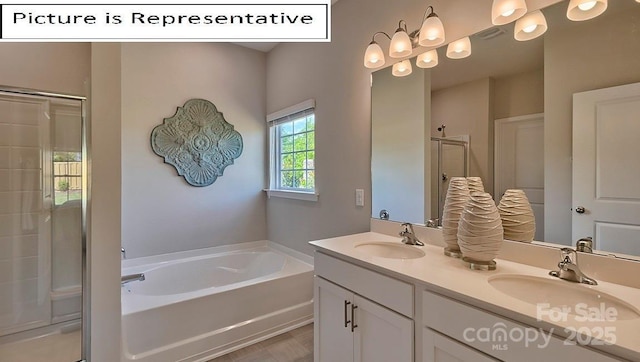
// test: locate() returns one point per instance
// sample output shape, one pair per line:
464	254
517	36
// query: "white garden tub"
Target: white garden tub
196	305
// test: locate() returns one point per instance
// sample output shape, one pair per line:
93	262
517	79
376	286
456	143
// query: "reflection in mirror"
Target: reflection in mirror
514	101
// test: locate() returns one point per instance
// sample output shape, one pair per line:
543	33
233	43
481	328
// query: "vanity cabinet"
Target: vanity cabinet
350	322
437	347
471	334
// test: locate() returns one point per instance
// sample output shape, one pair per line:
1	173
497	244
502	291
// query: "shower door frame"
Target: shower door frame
86	195
464	142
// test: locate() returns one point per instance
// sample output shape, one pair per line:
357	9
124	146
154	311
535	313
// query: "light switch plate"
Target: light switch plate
359	197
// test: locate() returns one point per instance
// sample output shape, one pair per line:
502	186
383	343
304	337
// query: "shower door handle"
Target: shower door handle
346	320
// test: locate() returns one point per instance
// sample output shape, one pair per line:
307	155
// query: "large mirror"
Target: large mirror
507	113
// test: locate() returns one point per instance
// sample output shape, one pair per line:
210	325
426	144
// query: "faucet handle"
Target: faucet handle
585	245
565	254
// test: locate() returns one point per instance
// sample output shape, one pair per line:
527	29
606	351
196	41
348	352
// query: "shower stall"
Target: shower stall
449	158
43	193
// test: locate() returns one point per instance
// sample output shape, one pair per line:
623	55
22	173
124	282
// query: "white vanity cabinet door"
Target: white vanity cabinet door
333	339
439	348
381	335
377	334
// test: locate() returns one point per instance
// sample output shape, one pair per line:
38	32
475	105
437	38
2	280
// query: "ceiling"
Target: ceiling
265	46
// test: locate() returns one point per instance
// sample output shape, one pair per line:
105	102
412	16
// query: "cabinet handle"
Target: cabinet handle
353	320
346	321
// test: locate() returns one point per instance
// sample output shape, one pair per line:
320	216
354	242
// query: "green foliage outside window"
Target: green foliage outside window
297	154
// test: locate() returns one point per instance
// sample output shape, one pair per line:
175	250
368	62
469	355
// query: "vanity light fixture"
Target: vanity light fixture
430	34
530	26
428	59
506	11
580	10
459	49
402	69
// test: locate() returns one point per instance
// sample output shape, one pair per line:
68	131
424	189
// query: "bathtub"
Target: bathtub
200	304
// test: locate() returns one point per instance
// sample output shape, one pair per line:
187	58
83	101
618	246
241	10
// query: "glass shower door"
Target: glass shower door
41	220
450	158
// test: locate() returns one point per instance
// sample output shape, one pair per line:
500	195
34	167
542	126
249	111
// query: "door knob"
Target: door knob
580	209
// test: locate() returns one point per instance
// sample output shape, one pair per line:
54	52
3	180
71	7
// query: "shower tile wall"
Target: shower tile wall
24	224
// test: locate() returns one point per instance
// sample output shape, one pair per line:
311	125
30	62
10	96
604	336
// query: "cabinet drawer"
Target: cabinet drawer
392	293
497	336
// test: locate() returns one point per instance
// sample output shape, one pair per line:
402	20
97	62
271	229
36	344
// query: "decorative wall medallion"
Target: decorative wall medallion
197	141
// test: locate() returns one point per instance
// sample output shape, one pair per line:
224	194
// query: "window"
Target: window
67	176
292	141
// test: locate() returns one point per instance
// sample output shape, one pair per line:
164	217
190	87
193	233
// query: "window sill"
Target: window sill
290	194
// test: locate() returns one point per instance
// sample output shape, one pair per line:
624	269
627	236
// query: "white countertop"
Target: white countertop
452	277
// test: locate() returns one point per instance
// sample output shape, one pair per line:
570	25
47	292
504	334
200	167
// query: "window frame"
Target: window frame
275	120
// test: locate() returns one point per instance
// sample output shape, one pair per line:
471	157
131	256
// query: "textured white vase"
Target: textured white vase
475	184
457	197
480	232
517	216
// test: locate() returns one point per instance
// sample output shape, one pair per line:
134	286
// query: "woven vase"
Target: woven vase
480	232
517	216
457	197
475	184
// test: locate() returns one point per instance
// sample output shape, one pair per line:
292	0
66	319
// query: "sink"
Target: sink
389	250
581	302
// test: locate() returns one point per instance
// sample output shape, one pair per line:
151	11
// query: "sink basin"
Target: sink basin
580	302
389	250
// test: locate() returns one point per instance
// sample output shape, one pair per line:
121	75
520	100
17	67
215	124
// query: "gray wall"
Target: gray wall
161	213
467	109
105	212
401	153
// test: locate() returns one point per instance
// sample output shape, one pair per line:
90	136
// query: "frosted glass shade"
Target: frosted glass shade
373	57
580	10
460	48
400	46
431	32
428	59
530	26
506	11
402	69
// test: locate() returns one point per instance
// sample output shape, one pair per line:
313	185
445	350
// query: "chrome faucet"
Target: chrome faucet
131	278
585	245
569	270
408	236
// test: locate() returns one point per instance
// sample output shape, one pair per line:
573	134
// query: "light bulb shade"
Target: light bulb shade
400	46
428	59
459	49
506	11
580	10
373	57
431	32
402	69
530	26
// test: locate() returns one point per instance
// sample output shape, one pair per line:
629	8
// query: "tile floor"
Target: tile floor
293	346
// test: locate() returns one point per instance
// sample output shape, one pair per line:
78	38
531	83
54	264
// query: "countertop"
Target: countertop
453	278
